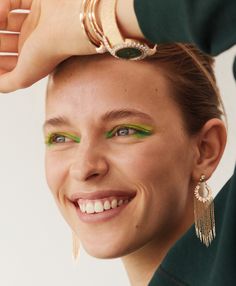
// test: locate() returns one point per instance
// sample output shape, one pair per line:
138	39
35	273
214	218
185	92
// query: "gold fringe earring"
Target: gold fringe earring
204	212
75	246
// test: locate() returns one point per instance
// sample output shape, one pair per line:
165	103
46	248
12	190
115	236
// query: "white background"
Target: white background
35	242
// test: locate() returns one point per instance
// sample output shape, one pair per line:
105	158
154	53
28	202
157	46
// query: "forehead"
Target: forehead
88	87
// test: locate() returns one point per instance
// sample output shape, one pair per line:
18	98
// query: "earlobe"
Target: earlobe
211	143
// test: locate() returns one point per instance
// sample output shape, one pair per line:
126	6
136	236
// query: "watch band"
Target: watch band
109	23
113	40
89	25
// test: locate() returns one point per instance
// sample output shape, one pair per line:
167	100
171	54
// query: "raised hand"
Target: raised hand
42	38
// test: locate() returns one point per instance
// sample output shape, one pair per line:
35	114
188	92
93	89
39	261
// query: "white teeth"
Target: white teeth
98	206
114	203
107	205
82	207
89	208
120	202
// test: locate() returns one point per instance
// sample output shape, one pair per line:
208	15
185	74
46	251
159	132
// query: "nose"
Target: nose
89	162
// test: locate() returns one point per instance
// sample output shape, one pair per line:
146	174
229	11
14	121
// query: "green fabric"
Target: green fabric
189	262
211	25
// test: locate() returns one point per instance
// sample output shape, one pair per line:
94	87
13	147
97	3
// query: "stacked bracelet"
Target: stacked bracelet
89	25
108	37
93	21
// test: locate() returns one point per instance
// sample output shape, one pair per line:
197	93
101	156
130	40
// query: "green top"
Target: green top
211	25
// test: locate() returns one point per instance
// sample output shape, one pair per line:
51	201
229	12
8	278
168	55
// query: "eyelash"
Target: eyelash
52	136
139	133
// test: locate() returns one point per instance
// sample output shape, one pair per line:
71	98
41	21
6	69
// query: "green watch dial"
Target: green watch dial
128	53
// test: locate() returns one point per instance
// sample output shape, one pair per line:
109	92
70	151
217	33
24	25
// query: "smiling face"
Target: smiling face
112	125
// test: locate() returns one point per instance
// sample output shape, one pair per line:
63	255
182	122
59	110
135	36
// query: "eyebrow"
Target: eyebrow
124	113
111	115
56	122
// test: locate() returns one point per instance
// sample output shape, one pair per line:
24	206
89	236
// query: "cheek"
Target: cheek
159	171
154	161
55	168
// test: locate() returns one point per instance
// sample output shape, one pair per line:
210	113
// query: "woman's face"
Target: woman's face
129	137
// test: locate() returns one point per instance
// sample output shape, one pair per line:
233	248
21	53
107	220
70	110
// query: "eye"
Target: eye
129	130
60	138
124	131
57	138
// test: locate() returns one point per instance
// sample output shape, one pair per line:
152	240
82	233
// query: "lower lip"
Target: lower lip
101	217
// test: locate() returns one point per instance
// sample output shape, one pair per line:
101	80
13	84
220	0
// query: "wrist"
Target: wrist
126	19
121	35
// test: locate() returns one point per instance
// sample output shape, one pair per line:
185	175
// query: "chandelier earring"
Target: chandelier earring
204	212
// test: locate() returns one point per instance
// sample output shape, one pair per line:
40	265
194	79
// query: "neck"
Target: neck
141	264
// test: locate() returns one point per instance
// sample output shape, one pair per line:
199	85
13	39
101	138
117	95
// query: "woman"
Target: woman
210	24
131	151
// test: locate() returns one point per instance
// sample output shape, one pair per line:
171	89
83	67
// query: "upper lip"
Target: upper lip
101	195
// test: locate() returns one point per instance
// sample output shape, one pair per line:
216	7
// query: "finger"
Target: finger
2	71
14	22
9	43
8	5
4	9
8	63
20	4
33	64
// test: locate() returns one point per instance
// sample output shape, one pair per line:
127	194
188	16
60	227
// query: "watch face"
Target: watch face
129	50
129	53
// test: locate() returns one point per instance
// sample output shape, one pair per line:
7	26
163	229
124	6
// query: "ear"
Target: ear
210	145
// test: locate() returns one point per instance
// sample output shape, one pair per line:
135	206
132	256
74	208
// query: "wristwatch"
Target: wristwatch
114	42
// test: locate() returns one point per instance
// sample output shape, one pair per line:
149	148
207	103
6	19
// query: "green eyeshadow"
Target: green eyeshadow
51	136
140	129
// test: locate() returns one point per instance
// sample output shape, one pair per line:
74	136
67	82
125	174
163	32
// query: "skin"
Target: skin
35	43
162	168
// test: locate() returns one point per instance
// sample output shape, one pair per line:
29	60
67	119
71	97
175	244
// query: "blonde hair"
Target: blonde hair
193	82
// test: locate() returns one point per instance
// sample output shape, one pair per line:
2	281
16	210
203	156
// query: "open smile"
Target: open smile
98	211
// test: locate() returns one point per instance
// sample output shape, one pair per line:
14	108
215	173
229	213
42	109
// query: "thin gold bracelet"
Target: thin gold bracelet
95	29
93	20
83	20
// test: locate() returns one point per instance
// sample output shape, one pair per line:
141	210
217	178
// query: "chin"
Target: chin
104	251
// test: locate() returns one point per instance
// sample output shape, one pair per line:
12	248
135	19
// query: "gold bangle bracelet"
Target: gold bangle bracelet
118	45
94	26
83	21
93	20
